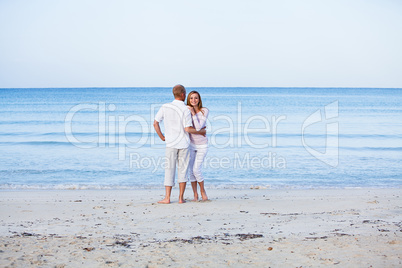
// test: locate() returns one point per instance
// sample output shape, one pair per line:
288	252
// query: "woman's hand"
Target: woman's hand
191	110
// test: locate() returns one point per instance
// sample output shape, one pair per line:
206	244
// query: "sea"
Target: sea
293	138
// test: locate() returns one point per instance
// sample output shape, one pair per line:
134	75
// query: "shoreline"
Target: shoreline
239	227
78	187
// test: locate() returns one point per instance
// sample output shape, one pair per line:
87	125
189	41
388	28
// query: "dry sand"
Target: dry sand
252	227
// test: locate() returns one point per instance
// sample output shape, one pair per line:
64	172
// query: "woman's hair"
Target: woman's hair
199	103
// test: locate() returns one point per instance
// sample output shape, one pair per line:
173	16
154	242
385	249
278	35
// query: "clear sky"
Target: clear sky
97	43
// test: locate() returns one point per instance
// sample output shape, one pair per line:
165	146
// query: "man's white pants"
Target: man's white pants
179	158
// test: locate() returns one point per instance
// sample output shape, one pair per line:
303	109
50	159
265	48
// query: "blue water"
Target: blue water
276	137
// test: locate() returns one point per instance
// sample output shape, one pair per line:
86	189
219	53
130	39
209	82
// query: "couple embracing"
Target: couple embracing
186	142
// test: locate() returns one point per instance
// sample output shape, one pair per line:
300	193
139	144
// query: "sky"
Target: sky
209	43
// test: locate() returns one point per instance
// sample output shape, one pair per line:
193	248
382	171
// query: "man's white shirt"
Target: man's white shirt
176	117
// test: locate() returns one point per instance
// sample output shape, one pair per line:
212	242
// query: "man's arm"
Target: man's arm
188	123
158	130
192	130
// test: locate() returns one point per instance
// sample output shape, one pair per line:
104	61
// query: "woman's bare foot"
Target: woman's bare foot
195	191
164	201
204	196
181	201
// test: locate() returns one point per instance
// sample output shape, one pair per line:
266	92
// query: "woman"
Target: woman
199	143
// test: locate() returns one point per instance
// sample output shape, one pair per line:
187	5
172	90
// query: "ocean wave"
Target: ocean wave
32	122
221	134
38	143
131	144
365	148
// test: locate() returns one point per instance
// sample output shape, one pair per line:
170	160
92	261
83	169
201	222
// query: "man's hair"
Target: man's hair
178	90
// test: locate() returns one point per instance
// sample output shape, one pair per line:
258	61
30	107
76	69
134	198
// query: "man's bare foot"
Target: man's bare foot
195	198
164	201
181	201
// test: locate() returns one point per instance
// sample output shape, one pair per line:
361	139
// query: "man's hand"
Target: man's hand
203	131
158	130
192	130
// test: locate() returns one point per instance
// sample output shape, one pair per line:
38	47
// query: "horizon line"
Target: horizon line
268	87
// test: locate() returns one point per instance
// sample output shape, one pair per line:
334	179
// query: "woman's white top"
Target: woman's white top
199	122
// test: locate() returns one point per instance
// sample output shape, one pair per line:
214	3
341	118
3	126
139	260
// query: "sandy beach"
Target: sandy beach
237	227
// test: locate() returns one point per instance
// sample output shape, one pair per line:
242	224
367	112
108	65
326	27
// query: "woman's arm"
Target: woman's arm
200	121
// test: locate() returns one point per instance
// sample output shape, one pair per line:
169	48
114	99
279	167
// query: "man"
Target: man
177	121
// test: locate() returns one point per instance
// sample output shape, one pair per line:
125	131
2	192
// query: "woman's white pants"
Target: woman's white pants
197	156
